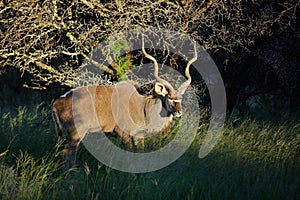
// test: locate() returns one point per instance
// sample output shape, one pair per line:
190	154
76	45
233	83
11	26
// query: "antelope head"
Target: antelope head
165	89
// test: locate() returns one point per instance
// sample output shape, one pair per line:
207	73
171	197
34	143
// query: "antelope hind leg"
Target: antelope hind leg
69	152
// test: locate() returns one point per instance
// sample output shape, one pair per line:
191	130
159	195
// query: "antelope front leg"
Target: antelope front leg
126	138
127	141
139	142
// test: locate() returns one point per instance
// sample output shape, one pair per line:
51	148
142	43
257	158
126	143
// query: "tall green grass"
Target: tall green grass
252	160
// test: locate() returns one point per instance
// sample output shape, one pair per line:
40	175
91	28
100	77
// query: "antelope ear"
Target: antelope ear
160	89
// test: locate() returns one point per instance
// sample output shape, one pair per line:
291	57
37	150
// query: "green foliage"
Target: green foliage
123	63
252	160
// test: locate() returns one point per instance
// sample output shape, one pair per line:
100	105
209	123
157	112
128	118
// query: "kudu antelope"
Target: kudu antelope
89	109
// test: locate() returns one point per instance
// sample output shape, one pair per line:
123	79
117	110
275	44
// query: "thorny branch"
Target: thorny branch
50	39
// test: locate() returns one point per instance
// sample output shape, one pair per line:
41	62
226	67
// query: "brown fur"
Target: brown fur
89	109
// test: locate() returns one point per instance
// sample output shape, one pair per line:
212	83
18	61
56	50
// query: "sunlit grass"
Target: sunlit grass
30	178
252	160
